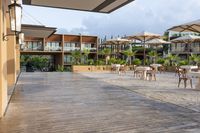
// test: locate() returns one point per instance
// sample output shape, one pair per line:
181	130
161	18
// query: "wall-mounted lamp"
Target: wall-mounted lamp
21	38
15	15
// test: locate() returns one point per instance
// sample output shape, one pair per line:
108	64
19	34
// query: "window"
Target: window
53	46
33	45
71	46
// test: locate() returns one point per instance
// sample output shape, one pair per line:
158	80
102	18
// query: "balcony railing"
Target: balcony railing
26	48
71	48
52	48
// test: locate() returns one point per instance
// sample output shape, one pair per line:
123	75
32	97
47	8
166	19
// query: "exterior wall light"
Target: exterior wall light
15	15
21	38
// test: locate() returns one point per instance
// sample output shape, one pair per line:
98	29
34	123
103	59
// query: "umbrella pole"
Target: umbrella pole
144	54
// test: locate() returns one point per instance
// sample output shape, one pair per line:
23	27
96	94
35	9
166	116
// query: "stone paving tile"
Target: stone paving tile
164	89
73	103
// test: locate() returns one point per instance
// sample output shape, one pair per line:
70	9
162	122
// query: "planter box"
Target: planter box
90	68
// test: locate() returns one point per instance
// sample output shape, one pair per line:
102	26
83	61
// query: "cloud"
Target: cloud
141	15
144	15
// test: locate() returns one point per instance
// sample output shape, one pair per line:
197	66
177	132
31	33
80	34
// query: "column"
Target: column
3	59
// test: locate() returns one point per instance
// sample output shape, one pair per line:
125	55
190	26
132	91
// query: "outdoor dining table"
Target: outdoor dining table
144	69
196	75
117	66
156	66
189	67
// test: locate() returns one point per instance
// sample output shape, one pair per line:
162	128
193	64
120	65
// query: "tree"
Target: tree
106	52
129	53
153	56
86	52
172	59
76	55
194	59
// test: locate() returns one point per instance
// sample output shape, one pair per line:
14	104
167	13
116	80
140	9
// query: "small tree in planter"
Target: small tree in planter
172	60
76	55
153	56
106	52
129	53
86	52
112	61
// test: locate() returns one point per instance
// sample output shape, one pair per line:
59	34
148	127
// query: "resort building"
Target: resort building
56	47
185	45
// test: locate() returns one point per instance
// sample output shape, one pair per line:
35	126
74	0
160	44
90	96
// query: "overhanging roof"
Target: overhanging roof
102	6
37	31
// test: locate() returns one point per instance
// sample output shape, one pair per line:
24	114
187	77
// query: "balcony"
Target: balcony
28	48
48	48
70	49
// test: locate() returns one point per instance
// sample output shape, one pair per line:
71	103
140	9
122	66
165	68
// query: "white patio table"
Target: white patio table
189	67
196	75
144	70
117	66
156	66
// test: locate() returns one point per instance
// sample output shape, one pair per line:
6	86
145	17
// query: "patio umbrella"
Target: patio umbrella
193	26
188	40
118	42
156	42
144	37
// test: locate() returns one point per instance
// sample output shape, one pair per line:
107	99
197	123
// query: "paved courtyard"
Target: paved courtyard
95	102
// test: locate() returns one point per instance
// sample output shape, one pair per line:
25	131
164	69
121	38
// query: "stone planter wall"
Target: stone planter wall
90	68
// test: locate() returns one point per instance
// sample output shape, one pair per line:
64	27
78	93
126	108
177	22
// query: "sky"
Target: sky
154	16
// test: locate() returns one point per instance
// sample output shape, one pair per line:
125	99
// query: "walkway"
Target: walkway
73	103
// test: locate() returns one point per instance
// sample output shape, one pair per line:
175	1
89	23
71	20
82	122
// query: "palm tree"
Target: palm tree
86	52
194	59
106	52
153	56
76	55
173	59
129	53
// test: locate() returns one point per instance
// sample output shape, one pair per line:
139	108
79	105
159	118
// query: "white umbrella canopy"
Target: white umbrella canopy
186	39
193	26
144	37
157	41
118	41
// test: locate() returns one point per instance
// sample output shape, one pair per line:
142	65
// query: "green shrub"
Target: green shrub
100	62
183	62
112	61
137	62
39	62
120	61
161	61
90	62
60	68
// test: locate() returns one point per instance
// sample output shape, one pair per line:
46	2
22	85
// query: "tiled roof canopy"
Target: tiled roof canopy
102	6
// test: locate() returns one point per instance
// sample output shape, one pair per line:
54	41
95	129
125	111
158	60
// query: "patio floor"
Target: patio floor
77	103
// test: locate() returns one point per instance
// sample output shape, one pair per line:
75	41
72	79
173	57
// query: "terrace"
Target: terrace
100	102
107	89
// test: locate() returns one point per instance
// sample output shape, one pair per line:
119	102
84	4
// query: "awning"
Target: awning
37	31
193	26
102	6
186	39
